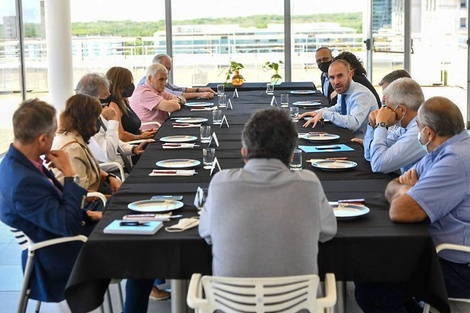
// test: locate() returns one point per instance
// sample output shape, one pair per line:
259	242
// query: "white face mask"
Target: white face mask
423	146
398	123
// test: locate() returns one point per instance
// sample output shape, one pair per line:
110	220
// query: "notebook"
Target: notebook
148	228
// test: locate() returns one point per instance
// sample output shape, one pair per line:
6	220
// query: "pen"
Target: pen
132	223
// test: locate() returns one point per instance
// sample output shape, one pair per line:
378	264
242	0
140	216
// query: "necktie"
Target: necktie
127	163
343	104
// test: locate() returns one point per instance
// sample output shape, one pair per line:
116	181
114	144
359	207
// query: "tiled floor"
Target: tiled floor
11	278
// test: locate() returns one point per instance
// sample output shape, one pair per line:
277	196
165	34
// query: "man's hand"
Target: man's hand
386	115
205	95
94	215
314	120
138	150
408	178
60	160
359	141
109	114
114	183
372	118
207	89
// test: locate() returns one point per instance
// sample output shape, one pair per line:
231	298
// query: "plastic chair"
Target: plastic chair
260	294
122	175
450	246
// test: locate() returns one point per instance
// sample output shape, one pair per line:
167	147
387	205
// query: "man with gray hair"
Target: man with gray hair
186	92
436	191
398	150
105	144
248	203
150	101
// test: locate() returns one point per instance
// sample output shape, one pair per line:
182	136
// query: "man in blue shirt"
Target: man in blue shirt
355	101
399	149
436	190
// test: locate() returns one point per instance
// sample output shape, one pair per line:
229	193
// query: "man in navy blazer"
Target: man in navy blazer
33	201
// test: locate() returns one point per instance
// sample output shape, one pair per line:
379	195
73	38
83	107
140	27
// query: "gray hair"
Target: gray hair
394	75
158	58
154	69
90	84
441	115
32	119
405	91
270	134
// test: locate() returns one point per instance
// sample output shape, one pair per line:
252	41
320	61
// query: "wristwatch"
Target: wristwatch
75	179
108	176
381	124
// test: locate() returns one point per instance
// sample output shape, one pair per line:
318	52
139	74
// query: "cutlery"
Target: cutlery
335	159
328	148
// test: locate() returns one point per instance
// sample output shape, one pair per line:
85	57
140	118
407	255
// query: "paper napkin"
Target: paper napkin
173	173
178	145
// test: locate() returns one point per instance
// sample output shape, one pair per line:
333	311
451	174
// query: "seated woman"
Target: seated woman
121	88
77	124
359	72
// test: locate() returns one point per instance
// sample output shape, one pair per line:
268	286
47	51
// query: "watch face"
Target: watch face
76	179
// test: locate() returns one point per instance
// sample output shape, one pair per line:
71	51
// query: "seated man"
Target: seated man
355	101
150	101
252	214
398	150
392	76
33	201
437	191
186	92
105	144
324	58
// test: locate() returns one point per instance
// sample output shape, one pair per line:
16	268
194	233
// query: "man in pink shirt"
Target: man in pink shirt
150	102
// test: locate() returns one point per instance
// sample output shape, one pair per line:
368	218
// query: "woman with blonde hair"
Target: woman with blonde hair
121	88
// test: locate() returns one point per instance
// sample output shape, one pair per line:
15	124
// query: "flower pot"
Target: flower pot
237	79
276	79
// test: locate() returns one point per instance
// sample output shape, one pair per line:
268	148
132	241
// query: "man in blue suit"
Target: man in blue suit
33	201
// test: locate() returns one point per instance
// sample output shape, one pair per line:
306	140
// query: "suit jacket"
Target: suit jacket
42	208
330	90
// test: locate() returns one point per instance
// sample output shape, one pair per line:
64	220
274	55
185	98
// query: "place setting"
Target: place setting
348	209
304	92
319	136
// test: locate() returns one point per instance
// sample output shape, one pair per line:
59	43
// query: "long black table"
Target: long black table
370	248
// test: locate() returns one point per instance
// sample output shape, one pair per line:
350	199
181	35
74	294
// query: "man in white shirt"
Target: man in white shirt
105	144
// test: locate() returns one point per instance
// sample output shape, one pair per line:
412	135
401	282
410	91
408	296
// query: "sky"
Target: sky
154	10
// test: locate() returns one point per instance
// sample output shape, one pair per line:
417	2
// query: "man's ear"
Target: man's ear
243	152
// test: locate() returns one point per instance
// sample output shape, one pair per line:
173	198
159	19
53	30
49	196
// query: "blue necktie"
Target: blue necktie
343	104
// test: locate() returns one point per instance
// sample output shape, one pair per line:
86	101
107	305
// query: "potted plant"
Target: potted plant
237	79
275	78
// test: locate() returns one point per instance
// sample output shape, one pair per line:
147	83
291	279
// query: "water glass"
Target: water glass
220	89
208	156
217	117
296	162
223	101
205	131
270	89
294	113
284	100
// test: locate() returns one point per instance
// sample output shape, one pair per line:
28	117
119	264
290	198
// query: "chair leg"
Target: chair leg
110	304
121	298
426	308
38	307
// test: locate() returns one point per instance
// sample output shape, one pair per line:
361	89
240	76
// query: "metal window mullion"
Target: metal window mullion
20	28
287	41
169	34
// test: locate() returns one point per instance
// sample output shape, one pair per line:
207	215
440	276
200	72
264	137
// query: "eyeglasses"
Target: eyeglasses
323	60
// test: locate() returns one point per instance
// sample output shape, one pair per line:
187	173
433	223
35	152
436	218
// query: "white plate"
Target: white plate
136	142
321	137
178	138
307	103
199	104
155	205
178	163
191	120
349	210
302	92
334	165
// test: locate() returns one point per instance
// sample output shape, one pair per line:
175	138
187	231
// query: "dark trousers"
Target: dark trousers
393	298
137	295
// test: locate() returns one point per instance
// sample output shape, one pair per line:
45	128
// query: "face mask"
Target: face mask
324	66
398	123
423	146
128	91
106	101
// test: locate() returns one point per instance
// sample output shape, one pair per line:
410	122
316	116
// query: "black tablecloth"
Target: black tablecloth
369	248
262	86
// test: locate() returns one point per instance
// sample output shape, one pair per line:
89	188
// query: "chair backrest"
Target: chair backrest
278	294
21	238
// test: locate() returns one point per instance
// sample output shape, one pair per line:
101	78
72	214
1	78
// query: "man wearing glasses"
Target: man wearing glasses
324	57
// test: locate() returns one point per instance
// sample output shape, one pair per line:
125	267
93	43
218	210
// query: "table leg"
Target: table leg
179	290
340	306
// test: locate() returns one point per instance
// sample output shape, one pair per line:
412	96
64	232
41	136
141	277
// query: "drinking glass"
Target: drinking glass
208	155
296	162
223	101
220	89
284	100
217	117
205	132
270	89
294	112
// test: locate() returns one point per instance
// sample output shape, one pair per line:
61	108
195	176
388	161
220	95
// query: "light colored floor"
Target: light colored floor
11	278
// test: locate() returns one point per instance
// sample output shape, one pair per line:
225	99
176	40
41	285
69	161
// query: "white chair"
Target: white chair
260	294
449	246
122	174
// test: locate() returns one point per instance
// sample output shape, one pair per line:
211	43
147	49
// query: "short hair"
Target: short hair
80	115
442	115
394	75
32	119
405	91
154	69
270	134
325	48
354	62
158	58
343	62
90	84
